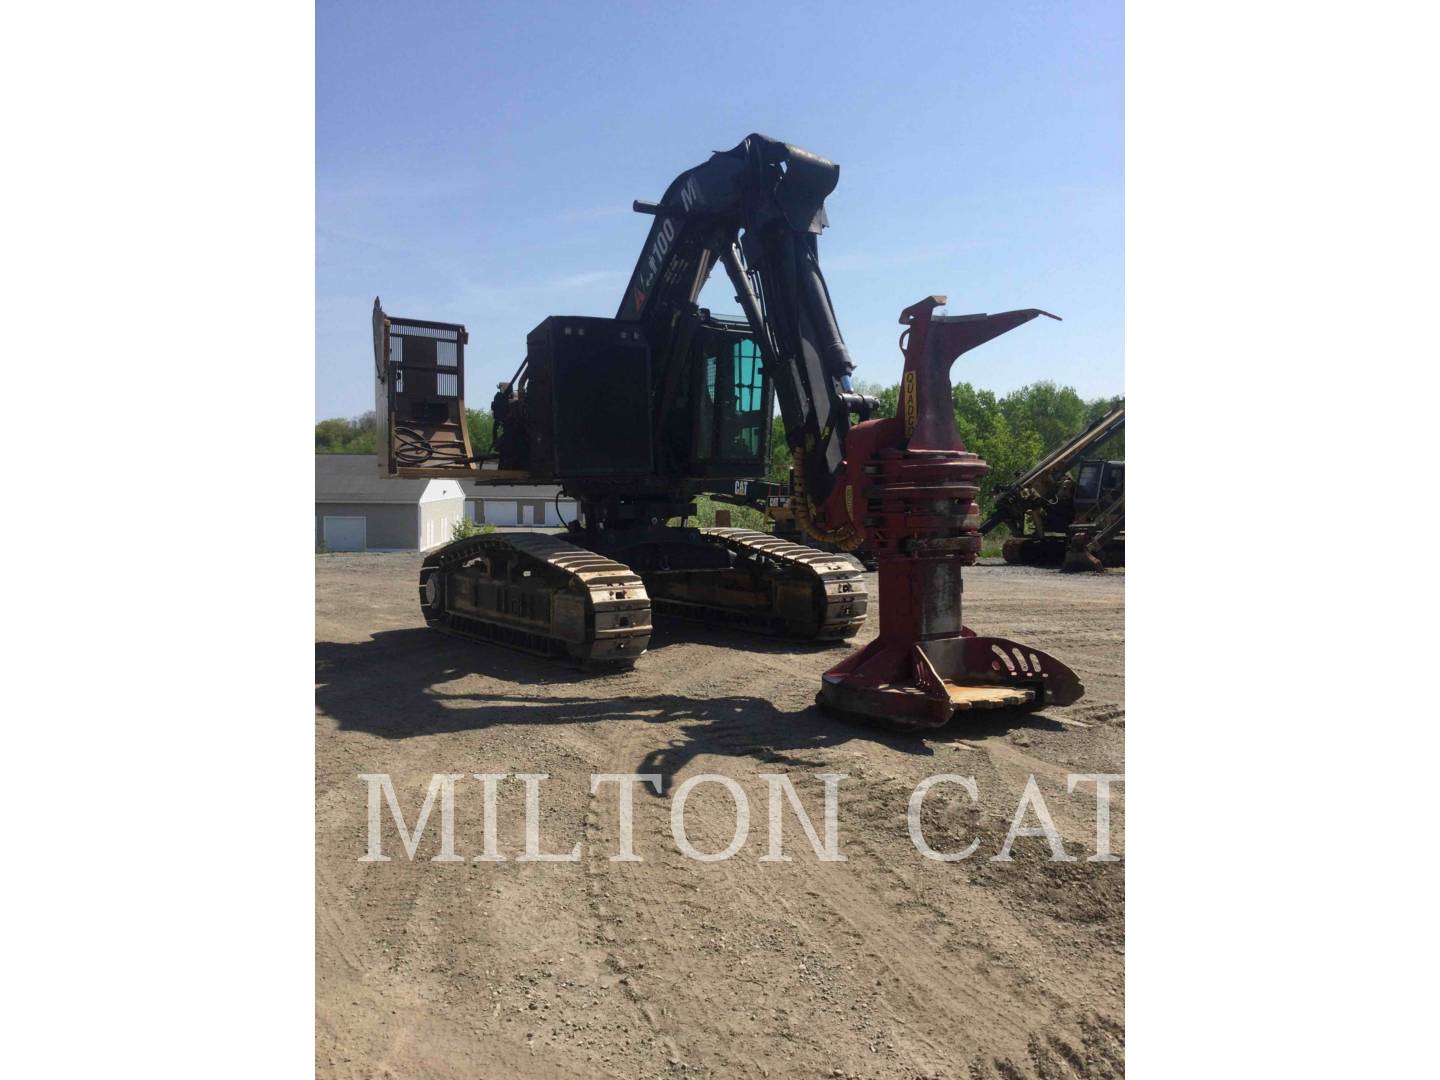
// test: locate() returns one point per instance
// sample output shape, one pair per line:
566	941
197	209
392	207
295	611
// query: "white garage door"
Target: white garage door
555	517
502	512
344	533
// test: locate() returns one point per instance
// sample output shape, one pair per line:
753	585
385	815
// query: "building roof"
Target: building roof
355	478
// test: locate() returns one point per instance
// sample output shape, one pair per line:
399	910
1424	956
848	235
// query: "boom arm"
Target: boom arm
757	210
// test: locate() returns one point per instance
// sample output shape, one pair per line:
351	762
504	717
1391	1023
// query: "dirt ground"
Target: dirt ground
885	965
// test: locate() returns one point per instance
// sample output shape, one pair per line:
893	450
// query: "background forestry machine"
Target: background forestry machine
1054	518
635	414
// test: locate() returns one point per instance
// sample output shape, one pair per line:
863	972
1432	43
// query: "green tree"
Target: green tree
481	425
1054	413
1008	446
465	528
1008	453
780	456
1114	450
340	436
330	433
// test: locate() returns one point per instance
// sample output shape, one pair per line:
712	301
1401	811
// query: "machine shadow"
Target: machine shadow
672	630
395	686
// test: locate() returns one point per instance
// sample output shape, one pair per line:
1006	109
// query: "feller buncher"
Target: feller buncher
633	415
1074	521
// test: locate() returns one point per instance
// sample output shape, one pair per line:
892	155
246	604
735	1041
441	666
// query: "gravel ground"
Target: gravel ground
884	965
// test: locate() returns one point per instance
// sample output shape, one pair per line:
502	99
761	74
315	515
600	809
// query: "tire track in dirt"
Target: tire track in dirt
887	965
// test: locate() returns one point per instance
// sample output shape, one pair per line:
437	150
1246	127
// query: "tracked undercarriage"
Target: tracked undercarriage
1072	551
544	595
536	593
772	587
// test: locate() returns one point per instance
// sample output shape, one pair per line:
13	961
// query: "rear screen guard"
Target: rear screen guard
420	428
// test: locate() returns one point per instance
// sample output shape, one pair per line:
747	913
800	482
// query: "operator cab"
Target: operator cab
595	403
1099	482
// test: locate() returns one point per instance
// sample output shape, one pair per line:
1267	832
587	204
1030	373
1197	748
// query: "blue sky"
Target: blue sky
476	162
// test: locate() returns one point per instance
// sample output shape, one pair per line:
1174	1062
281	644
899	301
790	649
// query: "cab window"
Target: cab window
742	420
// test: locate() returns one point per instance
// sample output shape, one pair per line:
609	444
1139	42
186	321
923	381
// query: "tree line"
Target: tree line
1011	432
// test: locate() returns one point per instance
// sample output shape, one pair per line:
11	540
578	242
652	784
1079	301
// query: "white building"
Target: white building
357	509
509	505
